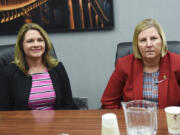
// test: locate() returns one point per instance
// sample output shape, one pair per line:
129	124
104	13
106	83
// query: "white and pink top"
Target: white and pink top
42	95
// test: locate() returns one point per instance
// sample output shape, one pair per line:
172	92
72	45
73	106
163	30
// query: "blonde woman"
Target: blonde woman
150	73
35	80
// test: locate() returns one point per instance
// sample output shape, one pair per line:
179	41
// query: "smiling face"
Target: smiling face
149	44
33	45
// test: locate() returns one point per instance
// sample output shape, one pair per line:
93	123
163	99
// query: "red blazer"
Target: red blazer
126	82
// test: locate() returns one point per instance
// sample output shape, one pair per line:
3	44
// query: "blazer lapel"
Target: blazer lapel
138	79
163	82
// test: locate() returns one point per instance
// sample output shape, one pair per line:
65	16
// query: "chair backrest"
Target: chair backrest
125	48
81	102
7	54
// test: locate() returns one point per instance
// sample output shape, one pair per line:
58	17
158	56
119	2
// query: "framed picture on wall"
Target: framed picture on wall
56	15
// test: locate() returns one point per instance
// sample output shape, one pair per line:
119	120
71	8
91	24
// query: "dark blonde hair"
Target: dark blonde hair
146	24
19	57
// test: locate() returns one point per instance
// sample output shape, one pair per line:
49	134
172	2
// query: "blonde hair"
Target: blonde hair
143	25
19	56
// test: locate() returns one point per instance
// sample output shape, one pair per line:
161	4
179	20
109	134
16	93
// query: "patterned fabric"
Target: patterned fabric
42	94
150	86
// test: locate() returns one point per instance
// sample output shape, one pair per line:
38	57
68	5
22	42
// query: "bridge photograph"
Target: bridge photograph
56	15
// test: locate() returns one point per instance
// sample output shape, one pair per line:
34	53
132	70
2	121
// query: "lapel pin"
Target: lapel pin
164	77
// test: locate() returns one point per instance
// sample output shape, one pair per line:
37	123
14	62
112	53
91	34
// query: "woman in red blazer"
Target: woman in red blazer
150	73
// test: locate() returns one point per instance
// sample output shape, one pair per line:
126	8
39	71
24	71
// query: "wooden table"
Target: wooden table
74	122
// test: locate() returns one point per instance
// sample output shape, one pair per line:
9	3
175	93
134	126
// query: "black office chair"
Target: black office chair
81	102
7	56
125	48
